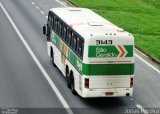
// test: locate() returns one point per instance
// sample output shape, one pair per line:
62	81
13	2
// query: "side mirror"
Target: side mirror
44	30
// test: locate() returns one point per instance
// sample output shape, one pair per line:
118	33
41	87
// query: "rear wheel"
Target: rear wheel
68	78
52	55
72	84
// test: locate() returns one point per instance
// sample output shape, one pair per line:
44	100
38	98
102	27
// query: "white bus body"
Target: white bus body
95	56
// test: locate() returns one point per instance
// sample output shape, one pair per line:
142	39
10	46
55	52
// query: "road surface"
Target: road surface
22	83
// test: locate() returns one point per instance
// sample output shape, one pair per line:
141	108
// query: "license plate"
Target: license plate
109	93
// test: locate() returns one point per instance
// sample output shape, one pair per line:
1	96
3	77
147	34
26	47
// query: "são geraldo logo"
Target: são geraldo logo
79	65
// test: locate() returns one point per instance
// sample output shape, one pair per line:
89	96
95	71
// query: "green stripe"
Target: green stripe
108	69
55	39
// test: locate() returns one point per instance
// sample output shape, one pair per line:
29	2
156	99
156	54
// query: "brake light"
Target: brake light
86	83
131	82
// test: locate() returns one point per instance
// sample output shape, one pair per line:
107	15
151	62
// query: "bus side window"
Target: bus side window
69	38
52	21
74	42
54	28
59	29
64	32
80	48
68	35
56	25
49	19
77	48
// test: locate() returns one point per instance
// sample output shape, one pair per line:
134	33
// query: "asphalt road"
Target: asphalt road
22	84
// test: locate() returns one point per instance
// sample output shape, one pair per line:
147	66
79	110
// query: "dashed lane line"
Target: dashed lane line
33	3
42	12
61	3
38	7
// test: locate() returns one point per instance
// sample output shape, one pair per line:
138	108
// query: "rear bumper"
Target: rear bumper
117	92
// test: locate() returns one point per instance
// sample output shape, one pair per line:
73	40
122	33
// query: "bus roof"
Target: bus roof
86	22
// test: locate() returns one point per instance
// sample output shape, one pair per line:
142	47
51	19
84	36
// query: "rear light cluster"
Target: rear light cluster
131	82
86	82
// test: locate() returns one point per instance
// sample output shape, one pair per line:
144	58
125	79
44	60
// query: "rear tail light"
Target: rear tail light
131	82
86	83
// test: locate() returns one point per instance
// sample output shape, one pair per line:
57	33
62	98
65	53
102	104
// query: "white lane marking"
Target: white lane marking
33	3
141	108
154	68
42	12
45	74
37	7
61	3
64	3
69	3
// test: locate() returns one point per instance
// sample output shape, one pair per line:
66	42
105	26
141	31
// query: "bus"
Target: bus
95	56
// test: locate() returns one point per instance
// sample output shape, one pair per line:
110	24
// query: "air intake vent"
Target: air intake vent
121	30
95	24
74	9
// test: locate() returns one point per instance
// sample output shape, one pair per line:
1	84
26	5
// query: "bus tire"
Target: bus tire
68	77
72	84
52	55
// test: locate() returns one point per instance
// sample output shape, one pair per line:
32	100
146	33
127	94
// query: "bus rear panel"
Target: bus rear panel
95	56
108	68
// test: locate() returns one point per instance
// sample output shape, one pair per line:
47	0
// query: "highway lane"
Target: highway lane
21	82
30	22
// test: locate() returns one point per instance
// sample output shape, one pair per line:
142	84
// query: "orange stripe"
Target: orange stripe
123	52
60	45
65	54
75	24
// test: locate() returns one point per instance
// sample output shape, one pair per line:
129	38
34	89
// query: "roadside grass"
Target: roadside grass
139	17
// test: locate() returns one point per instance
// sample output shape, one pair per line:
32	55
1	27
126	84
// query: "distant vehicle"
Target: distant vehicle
95	56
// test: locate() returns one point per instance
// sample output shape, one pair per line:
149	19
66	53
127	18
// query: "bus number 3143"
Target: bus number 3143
103	42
